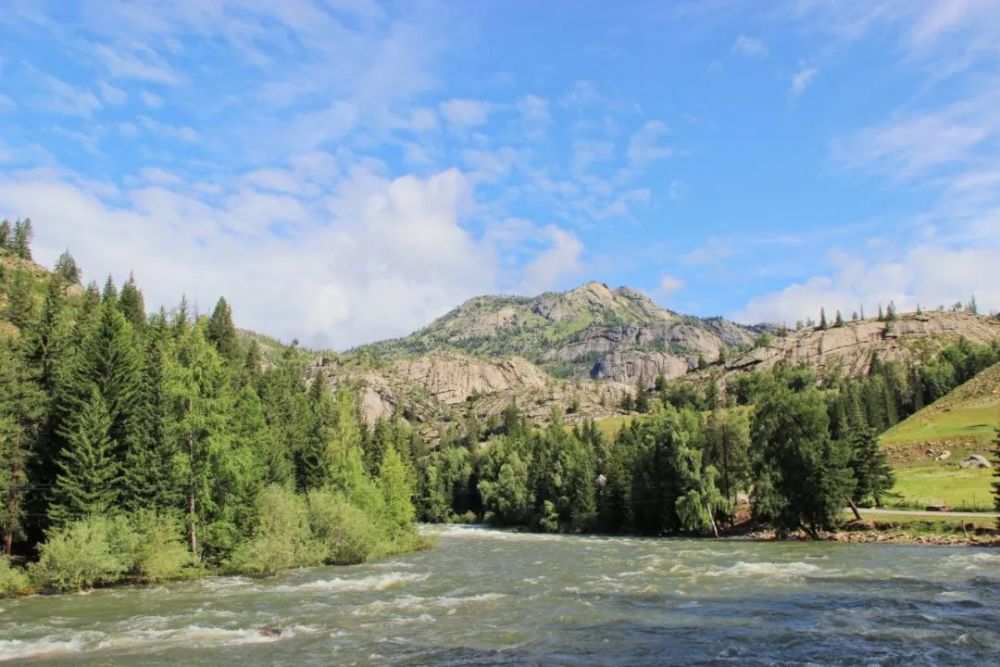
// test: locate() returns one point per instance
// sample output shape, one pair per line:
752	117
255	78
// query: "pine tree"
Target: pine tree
641	397
839	320
89	482
21	416
132	305
727	448
822	319
6	240
881	316
21	300
873	475
222	332
108	360
109	295
311	471
971	305
21	242
67	269
196	424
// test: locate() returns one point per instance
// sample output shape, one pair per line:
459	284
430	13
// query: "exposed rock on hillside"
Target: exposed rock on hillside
851	348
592	331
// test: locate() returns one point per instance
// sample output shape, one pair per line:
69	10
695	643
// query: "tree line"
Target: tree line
119	430
799	448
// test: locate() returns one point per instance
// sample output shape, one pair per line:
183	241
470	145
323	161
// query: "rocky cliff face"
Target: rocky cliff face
593	331
590	346
849	349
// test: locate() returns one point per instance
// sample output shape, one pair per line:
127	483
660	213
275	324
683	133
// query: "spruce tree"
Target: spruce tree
132	305
822	319
67	269
838	320
222	332
22	411
21	242
311	470
873	475
996	474
89	481
21	300
109	295
5	235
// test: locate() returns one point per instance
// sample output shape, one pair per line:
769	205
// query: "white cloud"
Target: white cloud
57	96
713	250
379	257
465	113
802	79
645	145
165	130
151	100
749	47
562	259
928	274
111	94
670	284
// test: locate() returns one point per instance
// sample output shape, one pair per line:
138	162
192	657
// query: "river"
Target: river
491	597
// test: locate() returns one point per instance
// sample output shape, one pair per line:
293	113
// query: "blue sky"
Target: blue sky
345	170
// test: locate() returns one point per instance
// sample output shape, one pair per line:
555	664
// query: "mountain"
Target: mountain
581	351
592	331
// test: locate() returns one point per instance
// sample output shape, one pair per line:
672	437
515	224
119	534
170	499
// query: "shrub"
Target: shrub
85	553
160	553
282	537
348	535
13	580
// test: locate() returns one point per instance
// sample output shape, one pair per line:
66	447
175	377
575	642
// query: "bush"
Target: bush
348	535
160	553
85	553
282	537
13	580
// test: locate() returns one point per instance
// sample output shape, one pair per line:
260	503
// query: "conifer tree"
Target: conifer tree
89	481
872	473
5	235
109	295
108	360
21	242
67	269
822	319
21	414
727	449
838	320
132	305
221	331
197	417
312	471
996	474
21	300
641	397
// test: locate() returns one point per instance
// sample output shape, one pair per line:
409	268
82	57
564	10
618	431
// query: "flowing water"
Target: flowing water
490	597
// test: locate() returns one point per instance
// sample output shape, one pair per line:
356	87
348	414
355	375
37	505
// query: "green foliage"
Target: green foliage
803	478
20	241
395	483
727	449
282	536
345	532
222	332
85	553
67	269
21	300
872	474
89	481
13	580
131	303
160	554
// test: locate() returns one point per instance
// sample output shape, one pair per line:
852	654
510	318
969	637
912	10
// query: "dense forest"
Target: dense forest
149	447
798	448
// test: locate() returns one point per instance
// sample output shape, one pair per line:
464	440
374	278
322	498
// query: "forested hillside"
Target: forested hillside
156	446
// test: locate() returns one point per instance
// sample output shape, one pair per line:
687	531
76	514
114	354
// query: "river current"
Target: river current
484	597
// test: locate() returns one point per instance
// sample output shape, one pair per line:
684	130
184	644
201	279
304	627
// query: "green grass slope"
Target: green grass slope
964	422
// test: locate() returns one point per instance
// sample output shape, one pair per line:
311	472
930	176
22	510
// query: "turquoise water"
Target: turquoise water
488	597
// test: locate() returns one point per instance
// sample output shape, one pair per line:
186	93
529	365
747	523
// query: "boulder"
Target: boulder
976	461
944	456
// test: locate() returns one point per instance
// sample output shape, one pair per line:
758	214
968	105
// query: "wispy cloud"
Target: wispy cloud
748	47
